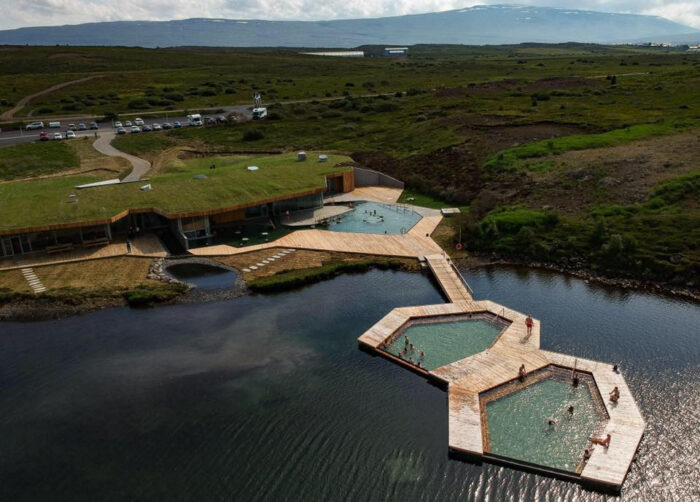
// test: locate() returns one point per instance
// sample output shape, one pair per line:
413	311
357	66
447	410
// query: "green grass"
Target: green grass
45	202
508	159
416	198
36	159
293	279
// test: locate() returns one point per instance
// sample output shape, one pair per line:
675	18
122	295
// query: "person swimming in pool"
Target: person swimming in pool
551	423
571	410
602	442
422	354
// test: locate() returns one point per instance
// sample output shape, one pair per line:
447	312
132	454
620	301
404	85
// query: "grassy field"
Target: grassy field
576	154
36	159
45	201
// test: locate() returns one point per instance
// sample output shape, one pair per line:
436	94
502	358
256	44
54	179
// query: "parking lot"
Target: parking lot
13	137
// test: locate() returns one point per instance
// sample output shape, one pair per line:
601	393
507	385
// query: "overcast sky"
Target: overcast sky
18	13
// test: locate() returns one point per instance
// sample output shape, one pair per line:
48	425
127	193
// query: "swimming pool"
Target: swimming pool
376	218
518	422
443	342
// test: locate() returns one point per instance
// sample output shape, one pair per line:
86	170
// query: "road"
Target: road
9	114
15	137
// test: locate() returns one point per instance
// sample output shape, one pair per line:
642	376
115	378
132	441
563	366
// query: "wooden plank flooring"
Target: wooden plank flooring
499	364
144	245
451	284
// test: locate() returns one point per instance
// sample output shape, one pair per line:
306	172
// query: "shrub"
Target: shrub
253	135
174	96
137	104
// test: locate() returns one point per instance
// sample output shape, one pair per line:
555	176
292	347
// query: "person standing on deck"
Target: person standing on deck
128	246
529	323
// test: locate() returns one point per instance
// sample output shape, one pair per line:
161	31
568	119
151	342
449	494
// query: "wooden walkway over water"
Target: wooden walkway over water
467	379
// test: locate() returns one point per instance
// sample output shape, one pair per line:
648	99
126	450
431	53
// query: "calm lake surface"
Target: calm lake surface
269	398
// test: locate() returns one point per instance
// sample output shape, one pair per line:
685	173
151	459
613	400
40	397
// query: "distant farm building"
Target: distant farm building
395	52
339	54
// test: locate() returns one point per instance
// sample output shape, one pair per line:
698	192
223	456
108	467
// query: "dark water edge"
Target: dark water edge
269	398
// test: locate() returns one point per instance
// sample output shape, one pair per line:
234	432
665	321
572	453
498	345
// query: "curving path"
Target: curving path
103	144
9	114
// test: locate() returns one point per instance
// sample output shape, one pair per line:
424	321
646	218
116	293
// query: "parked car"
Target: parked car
167	125
43	136
121	130
156	127
135	129
57	135
54	125
221	119
70	135
128	124
209	121
34	125
71	127
177	125
146	128
138	121
118	124
94	125
82	127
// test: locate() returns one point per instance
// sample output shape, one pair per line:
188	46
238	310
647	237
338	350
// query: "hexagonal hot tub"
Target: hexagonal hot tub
545	420
432	342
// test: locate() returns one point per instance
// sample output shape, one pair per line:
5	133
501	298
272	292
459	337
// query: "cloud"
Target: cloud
56	12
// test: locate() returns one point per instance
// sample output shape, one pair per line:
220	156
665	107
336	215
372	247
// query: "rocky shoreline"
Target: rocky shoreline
589	276
27	309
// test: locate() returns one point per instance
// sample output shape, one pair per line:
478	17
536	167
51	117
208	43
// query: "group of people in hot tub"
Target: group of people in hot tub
409	350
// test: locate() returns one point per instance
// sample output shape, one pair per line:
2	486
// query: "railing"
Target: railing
469	288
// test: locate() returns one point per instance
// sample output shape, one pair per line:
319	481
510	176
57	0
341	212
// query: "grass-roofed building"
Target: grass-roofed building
192	203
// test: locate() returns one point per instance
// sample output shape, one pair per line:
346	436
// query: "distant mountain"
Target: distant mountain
495	24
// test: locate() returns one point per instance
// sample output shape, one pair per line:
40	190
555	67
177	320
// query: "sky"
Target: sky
19	13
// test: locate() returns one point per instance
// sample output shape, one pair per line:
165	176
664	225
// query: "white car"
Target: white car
135	129
117	125
57	135
70	135
157	127
34	125
128	123
138	121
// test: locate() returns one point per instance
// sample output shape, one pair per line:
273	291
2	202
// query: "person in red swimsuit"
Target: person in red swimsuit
529	323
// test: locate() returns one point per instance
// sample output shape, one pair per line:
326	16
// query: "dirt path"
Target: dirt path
103	144
9	115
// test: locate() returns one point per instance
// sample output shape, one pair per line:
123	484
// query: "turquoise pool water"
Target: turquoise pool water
444	342
518	424
375	218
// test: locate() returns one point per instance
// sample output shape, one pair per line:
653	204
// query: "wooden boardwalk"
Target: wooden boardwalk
470	377
447	277
145	245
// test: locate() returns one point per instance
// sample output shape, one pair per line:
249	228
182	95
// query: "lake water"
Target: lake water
269	398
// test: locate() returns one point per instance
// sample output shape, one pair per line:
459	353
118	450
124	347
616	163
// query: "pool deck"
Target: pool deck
468	378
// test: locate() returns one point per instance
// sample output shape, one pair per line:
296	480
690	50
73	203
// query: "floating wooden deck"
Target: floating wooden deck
468	378
447	277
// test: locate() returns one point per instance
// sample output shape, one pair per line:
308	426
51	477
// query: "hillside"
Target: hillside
480	25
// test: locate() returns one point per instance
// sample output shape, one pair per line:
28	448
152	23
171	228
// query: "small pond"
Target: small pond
203	276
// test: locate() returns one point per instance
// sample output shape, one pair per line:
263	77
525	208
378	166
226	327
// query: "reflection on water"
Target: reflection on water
269	398
203	276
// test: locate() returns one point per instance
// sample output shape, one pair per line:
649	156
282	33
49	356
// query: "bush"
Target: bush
253	135
137	104
174	96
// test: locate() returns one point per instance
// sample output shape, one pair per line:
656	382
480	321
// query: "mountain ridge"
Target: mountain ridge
478	25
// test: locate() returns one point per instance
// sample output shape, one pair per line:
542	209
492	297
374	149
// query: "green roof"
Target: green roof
42	203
